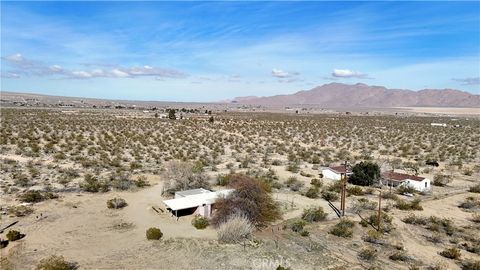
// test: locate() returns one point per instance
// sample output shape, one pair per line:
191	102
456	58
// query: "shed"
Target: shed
195	201
335	172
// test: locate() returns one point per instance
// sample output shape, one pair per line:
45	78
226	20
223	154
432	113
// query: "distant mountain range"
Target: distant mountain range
336	95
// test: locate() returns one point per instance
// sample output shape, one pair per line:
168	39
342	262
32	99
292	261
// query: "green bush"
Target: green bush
293	183
415	220
316	183
34	196
223	180
116	203
312	192
344	228
298	225
470	265
441	180
373	236
314	214
329	195
475	189
400	256
141	182
55	263
365	173
355	190
200	222
367	254
451	253
93	184
14	235
413	205
154	234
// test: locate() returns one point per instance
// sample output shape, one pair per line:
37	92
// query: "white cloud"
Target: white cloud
280	73
15	58
347	73
119	74
468	81
56	69
81	74
9	75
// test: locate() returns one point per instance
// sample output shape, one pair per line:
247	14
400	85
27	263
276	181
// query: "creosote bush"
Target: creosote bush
154	233
314	214
451	253
470	265
344	228
34	196
405	205
56	263
200	222
475	189
14	235
116	203
367	254
235	229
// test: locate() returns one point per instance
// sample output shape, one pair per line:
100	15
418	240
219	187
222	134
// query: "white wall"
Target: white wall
423	185
327	173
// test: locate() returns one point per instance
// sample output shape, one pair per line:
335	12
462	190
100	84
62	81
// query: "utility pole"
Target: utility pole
379	217
344	189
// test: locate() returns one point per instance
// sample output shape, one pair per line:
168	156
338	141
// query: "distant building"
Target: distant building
395	179
438	124
335	173
195	201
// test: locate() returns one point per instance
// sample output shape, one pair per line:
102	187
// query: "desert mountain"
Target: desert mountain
336	95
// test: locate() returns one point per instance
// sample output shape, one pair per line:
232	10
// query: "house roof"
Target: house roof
196	200
394	176
190	192
339	169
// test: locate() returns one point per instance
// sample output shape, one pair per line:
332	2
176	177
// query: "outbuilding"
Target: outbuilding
195	201
396	179
335	172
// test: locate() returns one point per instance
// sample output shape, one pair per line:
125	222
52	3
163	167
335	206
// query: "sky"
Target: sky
211	51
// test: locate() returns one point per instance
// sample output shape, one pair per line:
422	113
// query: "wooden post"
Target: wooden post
379	218
344	189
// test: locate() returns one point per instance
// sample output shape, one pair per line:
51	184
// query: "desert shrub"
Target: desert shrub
250	198
403	189
386	221
312	193
20	211
34	196
14	235
293	183
200	222
415	220
21	180
121	181
55	263
116	203
316	182
441	180
344	228
389	196
470	203
365	173
235	229
141	182
373	236
222	180
400	256
154	234
298	226
293	167
405	205
283	268
367	254
364	204
475	189
184	176
314	214
93	184
329	195
475	217
473	247
451	253
355	190
470	265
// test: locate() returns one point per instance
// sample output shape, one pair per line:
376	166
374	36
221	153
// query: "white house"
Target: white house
438	124
335	173
195	201
396	179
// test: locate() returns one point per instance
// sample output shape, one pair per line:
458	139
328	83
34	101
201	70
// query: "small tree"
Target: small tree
171	114
250	198
365	174
211	120
55	263
154	234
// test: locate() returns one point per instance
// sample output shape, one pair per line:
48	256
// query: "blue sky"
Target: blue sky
209	51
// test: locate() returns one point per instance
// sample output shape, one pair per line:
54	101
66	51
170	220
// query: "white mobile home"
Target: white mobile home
335	173
195	201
